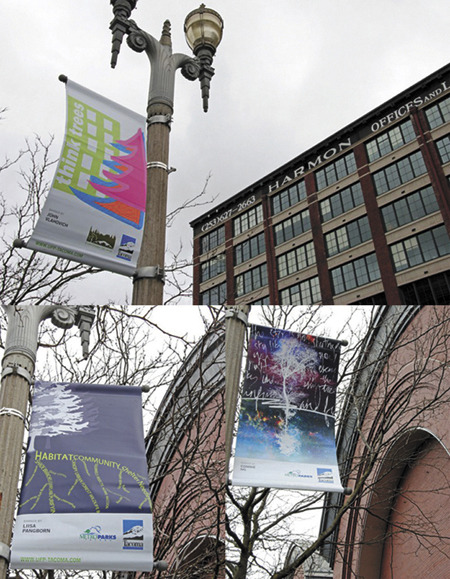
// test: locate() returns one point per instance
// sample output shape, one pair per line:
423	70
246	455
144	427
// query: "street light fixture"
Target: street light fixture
203	29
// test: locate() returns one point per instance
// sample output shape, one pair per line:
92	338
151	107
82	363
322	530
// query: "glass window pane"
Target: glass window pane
399	257
389	217
413	253
348	274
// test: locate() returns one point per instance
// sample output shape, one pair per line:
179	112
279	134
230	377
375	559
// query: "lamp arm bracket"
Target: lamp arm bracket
190	67
139	40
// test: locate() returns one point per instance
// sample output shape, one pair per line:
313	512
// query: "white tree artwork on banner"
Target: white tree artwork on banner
59	412
291	363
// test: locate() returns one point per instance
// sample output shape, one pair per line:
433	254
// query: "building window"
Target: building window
288	197
296	260
304	293
251	280
398	173
443	146
335	171
212	240
390	140
355	273
249	249
292	227
421	248
247	220
350	235
262	302
341	202
439	114
410	208
212	267
434	290
217	295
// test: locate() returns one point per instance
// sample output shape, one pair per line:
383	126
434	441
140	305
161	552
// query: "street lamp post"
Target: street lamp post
17	374
203	29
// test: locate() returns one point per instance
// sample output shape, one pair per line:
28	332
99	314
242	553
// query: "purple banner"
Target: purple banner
85	500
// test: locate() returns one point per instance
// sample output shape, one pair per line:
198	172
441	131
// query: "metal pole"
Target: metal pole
235	328
17	374
148	287
149	278
203	29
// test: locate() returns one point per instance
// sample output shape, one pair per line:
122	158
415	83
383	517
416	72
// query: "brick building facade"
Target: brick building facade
186	459
361	218
394	437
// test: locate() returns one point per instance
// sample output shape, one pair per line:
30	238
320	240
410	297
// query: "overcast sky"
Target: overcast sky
288	74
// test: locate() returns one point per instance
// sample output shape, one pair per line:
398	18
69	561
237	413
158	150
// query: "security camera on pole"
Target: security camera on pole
203	29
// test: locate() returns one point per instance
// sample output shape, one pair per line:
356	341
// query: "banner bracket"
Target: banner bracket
162	119
12	412
16	370
150	271
237	313
4	551
159	165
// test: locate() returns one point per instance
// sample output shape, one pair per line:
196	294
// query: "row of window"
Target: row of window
390	140
439	113
295	260
431	290
399	173
396	214
388	178
409	208
341	202
421	248
347	236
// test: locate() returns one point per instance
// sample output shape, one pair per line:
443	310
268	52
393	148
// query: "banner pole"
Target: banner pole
236	321
17	374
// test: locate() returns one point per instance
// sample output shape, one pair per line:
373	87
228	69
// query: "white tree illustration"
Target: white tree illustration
290	364
57	410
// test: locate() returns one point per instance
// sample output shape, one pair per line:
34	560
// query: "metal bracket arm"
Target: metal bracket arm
149	272
4	551
17	371
12	412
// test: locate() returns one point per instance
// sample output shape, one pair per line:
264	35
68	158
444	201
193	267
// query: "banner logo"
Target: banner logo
133	534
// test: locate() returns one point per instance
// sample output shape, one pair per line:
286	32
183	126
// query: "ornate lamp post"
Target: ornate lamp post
203	29
17	375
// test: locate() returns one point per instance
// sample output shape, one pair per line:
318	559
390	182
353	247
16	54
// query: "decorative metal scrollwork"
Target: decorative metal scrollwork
191	70
137	38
